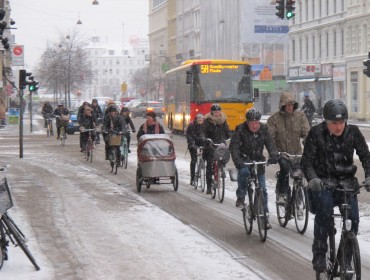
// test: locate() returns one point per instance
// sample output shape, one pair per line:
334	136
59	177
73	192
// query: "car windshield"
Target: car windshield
155	105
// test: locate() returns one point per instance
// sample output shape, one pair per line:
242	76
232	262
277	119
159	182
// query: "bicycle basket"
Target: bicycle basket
222	153
65	118
5	197
115	140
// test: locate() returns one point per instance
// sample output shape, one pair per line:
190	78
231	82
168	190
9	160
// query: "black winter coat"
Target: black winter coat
116	124
217	130
195	133
88	122
129	122
246	146
330	158
98	113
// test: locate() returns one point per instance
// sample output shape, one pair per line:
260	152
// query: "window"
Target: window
335	43
327	44
158	3
307	50
293	50
300	49
320	50
313	48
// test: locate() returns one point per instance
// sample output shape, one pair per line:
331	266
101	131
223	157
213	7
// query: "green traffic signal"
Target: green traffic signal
289	15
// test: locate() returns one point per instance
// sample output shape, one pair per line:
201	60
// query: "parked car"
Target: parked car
73	125
144	107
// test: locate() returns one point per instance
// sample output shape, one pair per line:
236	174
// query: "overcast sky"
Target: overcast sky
41	21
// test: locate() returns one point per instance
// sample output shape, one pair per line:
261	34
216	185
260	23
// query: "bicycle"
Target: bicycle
296	204
254	209
114	151
200	170
49	125
346	261
9	228
89	145
220	157
63	135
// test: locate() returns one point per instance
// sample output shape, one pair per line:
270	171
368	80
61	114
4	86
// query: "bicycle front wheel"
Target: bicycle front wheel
125	156
282	211
201	175
259	208
248	212
62	137
12	228
300	208
350	262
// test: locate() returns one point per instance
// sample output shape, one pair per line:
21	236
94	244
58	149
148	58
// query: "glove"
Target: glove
272	160
367	184
316	185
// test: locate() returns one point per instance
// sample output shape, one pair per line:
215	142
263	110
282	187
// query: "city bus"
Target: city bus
195	85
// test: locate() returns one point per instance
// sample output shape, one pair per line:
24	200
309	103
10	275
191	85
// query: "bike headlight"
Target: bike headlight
348	224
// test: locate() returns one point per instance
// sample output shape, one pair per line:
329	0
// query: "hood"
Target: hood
285	98
213	120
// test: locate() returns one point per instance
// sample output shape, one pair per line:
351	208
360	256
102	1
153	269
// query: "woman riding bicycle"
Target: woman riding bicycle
87	121
113	123
328	159
247	145
216	129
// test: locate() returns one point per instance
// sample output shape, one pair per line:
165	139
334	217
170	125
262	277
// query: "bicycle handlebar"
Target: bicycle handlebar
220	144
256	163
289	155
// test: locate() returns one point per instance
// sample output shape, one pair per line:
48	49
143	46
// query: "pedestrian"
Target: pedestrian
308	107
287	127
328	160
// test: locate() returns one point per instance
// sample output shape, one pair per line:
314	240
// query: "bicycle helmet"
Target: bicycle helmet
253	115
215	107
335	110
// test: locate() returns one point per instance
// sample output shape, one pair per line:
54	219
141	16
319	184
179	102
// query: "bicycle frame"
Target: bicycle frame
337	265
114	152
89	145
200	170
256	208
297	202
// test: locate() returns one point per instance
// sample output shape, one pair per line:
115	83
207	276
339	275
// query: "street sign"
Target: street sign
18	55
13	116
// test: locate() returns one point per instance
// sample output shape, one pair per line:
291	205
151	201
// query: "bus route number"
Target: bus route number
204	69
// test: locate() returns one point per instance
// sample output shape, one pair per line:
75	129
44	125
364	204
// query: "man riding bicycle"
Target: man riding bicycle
125	113
113	122
61	112
328	160
216	129
247	145
46	110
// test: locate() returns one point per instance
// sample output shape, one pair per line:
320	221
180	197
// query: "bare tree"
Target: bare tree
64	67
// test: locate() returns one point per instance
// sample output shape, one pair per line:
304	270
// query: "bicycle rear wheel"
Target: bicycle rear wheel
300	208
350	261
220	183
12	228
282	210
259	208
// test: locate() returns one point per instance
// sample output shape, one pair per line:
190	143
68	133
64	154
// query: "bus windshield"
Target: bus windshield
220	83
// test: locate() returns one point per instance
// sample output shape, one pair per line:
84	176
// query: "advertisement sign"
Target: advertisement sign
13	116
18	55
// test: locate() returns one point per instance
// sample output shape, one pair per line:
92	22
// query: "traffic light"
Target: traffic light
281	8
367	64
32	84
290	9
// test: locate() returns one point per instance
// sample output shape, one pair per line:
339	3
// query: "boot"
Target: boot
319	249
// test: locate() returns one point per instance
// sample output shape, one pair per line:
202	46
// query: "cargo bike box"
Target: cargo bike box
156	161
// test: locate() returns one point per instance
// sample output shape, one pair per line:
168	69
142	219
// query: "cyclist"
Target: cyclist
46	109
80	113
87	121
308	107
287	127
328	159
61	111
151	126
194	136
125	113
247	144
113	122
216	129
98	113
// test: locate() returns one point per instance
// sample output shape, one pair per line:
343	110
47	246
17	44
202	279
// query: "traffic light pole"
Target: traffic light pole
20	123
30	111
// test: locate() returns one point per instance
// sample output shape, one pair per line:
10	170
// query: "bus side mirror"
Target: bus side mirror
256	94
189	77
